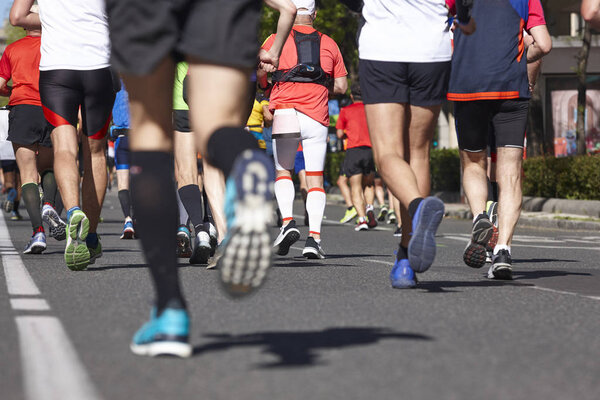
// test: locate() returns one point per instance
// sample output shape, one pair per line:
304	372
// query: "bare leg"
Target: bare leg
214	184
65	144
510	196
342	183
356	188
93	187
474	179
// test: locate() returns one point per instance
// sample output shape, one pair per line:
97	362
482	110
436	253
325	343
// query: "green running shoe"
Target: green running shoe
95	252
349	216
77	255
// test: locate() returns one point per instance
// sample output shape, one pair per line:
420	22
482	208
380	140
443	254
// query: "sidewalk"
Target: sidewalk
537	212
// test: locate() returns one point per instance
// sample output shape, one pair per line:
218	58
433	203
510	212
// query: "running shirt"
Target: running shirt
21	62
353	120
405	31
308	98
256	116
491	64
75	35
180	74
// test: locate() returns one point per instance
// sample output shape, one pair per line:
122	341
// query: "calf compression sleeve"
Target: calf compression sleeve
285	193
226	144
31	195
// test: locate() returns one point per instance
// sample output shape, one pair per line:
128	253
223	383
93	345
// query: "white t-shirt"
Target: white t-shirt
405	31
74	35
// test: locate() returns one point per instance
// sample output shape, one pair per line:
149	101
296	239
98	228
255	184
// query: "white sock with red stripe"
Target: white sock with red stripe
284	192
315	206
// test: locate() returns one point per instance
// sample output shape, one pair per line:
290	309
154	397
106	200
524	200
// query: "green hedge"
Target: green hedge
563	178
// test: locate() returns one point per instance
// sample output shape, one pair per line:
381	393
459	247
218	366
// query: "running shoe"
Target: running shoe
491	210
201	252
214	238
391	218
474	253
371	220
312	249
164	335
184	249
402	275
361	224
37	244
15	215
398	232
128	229
247	249
488	257
288	235
95	252
421	248
57	228
382	213
11	196
501	266
349	215
77	254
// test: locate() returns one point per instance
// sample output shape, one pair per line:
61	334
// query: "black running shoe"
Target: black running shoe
474	254
312	249
288	235
501	266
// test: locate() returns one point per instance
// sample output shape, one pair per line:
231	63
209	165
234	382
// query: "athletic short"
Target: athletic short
299	162
492	150
27	125
122	152
508	119
9	165
63	91
359	160
342	169
222	32
417	84
181	121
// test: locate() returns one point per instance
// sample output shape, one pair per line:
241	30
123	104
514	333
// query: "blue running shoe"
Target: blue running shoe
421	248
128	230
246	252
165	335
402	275
37	244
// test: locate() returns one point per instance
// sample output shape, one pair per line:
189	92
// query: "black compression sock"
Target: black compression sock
49	187
192	201
402	253
494	186
412	207
125	200
31	195
155	204
226	144
207	211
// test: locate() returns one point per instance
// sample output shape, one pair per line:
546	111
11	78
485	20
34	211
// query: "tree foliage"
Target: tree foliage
12	33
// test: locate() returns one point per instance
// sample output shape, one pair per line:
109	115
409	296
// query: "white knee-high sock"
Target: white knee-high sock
315	206
285	193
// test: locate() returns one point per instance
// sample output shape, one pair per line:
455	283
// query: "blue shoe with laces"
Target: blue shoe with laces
164	335
421	248
402	275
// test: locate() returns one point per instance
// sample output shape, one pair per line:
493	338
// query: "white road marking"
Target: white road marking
29	304
50	367
529	245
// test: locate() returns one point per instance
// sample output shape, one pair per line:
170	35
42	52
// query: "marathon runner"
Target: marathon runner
74	74
30	136
311	66
219	39
494	88
590	11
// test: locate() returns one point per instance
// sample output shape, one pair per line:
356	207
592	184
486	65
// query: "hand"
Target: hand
468	28
268	62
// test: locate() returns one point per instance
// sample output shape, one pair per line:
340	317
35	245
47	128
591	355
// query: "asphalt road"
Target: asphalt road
330	329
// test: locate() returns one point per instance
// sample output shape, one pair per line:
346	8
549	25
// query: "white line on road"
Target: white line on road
466	239
29	304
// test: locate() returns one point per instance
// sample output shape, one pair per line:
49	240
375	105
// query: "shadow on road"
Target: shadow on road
444	286
539	274
542	260
301	349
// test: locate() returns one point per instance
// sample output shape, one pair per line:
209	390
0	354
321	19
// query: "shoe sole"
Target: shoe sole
176	349
247	254
184	250
77	254
474	254
57	229
381	216
502	272
291	237
493	239
362	228
201	254
94	258
128	234
36	249
421	248
404	284
372	222
312	254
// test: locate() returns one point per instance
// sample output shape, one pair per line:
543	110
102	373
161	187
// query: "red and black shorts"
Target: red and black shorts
64	91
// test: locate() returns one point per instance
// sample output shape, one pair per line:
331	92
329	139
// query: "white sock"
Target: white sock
315	206
284	191
501	247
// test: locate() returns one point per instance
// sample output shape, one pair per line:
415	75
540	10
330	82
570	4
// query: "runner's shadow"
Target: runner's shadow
301	263
539	274
445	286
542	260
301	349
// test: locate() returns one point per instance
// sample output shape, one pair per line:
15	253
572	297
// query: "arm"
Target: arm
4	88
463	15
261	78
340	133
340	85
269	60
590	11
542	43
21	16
267	116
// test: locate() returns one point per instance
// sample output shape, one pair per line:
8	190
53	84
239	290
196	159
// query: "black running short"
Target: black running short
181	121
417	84
27	125
9	165
508	120
222	32
122	152
63	91
359	160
